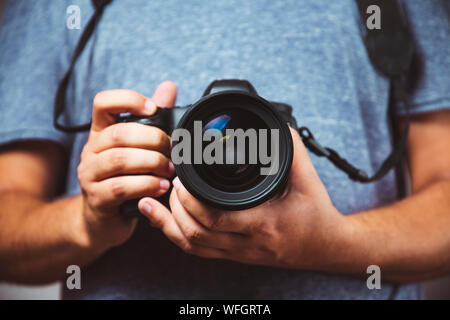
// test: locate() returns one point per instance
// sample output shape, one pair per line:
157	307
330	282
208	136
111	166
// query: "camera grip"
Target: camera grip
163	119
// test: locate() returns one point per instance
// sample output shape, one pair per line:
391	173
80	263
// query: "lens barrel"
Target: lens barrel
237	185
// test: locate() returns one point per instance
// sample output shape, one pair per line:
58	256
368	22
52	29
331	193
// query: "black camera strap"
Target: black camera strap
60	98
391	51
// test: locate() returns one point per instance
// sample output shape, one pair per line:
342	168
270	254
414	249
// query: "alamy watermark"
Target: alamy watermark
73	20
374	280
374	20
73	281
235	147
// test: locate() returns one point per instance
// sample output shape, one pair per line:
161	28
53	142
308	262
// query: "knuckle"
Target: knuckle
182	196
99	99
81	173
185	197
84	153
132	96
94	200
156	223
214	222
117	159
158	161
194	235
91	195
187	247
281	257
160	137
118	190
161	160
118	132
266	229
152	184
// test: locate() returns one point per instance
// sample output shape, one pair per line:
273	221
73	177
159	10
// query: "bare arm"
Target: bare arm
40	235
410	239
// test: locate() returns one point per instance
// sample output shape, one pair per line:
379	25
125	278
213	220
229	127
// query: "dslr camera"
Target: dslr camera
241	124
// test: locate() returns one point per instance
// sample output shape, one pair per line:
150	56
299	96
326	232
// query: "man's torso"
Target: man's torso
308	54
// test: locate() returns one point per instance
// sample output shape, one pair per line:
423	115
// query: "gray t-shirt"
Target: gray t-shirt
306	53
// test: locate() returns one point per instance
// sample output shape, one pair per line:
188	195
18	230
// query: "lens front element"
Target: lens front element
244	153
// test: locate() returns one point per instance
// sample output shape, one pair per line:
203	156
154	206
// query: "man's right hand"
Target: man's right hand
122	161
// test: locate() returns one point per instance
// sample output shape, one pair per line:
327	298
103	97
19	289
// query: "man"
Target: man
314	241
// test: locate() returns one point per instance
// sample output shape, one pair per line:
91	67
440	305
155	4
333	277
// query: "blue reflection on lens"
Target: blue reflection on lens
217	123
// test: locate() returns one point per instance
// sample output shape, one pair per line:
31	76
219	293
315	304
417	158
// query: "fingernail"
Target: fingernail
150	106
146	208
171	167
176	183
164	184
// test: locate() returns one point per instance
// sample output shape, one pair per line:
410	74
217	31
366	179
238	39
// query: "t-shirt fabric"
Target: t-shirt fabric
308	54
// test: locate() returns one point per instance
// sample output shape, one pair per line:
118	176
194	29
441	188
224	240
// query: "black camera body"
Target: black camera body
228	104
167	119
391	51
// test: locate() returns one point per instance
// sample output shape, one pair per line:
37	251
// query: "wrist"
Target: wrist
99	231
348	254
338	246
83	230
87	231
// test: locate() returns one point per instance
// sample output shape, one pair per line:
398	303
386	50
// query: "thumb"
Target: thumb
303	174
165	94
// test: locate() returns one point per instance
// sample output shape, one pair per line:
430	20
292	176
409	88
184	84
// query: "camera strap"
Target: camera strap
391	50
60	98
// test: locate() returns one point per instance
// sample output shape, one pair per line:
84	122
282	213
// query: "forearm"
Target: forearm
409	240
39	239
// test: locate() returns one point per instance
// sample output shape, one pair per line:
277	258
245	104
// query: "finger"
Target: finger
303	174
160	217
124	161
114	191
210	218
132	135
108	104
198	234
165	94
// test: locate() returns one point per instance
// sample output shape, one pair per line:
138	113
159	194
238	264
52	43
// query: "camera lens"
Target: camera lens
236	170
236	123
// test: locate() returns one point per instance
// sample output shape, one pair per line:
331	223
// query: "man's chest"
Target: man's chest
305	53
293	51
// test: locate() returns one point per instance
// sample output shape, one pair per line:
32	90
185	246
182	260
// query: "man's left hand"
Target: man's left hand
299	228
